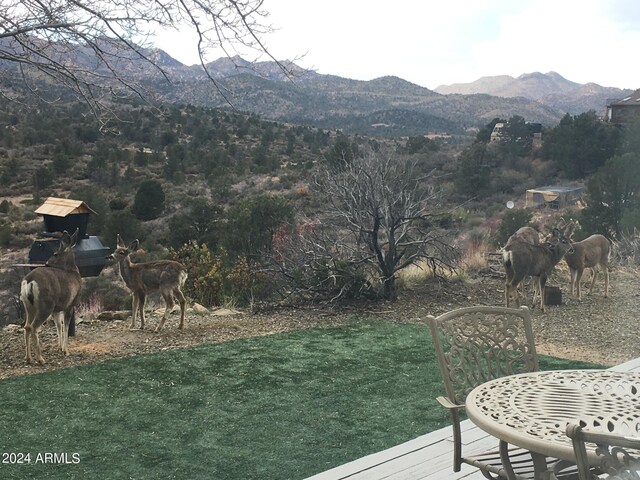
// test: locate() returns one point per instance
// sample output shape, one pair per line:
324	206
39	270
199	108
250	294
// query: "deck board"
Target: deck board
428	457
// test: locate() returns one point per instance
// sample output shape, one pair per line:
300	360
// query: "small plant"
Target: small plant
205	273
245	284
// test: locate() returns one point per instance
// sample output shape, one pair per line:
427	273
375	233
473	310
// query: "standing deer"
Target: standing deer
521	259
529	235
51	290
165	276
592	252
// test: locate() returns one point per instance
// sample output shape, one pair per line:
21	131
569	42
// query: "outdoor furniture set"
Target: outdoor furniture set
573	424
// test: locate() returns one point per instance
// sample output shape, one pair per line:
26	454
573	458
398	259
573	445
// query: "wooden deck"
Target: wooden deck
427	457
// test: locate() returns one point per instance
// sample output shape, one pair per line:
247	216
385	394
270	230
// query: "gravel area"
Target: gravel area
598	329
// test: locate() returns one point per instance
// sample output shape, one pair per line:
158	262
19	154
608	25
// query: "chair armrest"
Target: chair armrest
446	403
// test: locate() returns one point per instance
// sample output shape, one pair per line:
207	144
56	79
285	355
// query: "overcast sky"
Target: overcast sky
431	43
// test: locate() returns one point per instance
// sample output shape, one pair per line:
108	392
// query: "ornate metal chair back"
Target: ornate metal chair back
477	344
615	455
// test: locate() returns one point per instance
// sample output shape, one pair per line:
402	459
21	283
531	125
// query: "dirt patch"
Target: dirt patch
604	330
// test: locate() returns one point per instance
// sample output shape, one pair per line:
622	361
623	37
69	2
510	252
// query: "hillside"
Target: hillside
402	108
550	89
327	101
387	106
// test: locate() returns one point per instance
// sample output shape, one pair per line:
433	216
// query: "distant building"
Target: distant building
434	135
496	133
554	197
621	111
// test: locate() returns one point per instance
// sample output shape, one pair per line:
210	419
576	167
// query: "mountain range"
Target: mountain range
386	106
550	88
383	106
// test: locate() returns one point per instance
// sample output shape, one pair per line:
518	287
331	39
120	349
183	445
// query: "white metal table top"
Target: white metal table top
531	410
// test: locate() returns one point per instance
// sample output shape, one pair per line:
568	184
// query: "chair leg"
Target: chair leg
506	461
457	441
540	467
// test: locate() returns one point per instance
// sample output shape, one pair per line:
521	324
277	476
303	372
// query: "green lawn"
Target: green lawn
280	407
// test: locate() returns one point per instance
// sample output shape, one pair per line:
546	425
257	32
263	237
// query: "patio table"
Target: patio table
531	410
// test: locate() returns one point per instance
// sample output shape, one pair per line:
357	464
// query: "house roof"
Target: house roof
557	188
61	207
633	99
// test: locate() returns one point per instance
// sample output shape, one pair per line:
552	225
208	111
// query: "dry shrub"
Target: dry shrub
626	250
475	246
103	294
424	271
91	307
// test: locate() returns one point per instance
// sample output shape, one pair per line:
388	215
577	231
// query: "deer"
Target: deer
521	259
166	276
529	235
51	290
593	253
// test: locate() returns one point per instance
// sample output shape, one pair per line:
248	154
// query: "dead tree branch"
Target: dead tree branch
99	50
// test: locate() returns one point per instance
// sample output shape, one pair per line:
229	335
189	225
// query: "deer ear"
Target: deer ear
65	240
120	242
134	245
74	238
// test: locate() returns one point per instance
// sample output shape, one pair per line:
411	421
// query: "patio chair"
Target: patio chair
618	456
474	345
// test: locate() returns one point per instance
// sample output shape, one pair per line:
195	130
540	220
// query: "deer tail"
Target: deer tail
29	291
507	258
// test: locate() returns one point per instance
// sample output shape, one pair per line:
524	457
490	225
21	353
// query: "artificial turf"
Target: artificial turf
284	406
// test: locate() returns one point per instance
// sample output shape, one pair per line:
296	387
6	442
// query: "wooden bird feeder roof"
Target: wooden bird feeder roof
61	207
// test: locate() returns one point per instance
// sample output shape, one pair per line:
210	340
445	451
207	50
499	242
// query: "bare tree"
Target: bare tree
88	46
381	212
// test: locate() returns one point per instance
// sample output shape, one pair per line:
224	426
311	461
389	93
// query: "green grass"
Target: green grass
280	407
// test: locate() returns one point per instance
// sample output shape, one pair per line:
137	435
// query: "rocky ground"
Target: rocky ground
598	329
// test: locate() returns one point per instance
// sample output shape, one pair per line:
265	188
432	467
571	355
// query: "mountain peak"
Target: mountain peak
555	75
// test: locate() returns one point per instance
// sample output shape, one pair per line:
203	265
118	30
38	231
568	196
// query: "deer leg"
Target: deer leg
134	310
523	287
61	319
142	301
542	280
534	299
66	320
534	286
58	322
27	340
169	304
594	275
578	278
513	289
606	282
183	303
37	346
